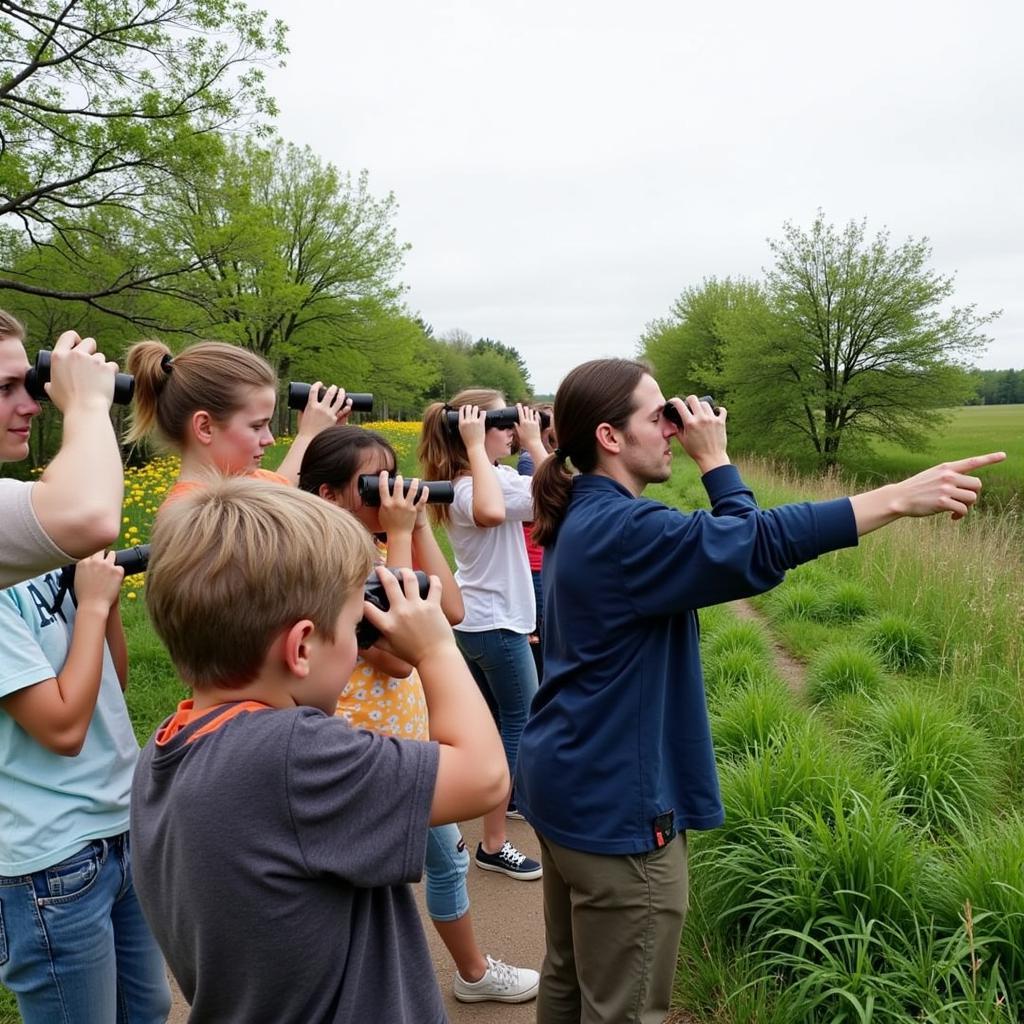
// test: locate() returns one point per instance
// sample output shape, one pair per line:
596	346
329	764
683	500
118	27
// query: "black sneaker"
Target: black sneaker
509	861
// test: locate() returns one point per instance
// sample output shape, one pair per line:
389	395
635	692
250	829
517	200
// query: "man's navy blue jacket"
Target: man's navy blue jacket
618	732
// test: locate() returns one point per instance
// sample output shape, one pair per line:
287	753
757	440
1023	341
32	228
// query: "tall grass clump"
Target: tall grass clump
847	601
937	767
758	716
985	881
734	657
841	668
903	644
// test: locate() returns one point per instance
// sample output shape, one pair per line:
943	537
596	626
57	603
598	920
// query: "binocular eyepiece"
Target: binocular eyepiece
38	375
298	395
497	419
373	591
442	492
672	413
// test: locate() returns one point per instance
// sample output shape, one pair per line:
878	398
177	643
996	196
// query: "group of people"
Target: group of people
262	841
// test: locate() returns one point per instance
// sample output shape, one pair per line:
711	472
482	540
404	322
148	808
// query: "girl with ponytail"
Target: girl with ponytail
213	403
484	525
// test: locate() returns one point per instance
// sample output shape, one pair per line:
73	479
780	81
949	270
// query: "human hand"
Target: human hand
702	434
320	413
412	628
399	511
528	428
79	375
98	582
943	488
472	426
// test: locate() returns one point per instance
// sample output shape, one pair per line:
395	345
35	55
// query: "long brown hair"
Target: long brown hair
334	456
441	452
597	392
209	375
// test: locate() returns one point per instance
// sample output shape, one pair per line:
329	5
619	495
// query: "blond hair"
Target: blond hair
235	563
441	452
11	327
209	375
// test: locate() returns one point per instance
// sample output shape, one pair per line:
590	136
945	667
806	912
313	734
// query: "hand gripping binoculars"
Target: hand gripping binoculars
672	413
442	492
298	395
38	375
497	419
373	591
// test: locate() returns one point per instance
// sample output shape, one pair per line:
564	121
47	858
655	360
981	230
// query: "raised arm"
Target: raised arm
320	413
78	498
488	501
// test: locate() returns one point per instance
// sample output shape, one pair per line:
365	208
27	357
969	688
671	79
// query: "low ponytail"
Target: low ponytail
597	392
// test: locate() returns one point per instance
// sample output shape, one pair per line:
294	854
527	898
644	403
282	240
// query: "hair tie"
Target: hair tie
166	363
560	454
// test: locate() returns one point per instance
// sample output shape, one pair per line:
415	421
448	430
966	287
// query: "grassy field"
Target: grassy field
970	430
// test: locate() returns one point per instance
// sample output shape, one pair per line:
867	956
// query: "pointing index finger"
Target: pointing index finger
977	461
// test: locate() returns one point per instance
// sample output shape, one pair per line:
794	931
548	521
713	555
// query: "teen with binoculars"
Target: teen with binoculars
74	508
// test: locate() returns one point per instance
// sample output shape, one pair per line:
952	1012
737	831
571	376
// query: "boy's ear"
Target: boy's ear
202	426
296	643
607	438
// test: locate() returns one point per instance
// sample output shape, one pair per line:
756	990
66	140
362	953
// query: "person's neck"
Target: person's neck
196	467
620	475
261	690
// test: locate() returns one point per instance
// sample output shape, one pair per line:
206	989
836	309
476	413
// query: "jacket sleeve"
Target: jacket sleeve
674	561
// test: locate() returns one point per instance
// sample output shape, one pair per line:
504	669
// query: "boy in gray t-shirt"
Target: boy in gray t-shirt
272	842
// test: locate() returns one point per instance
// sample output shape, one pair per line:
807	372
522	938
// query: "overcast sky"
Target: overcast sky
565	169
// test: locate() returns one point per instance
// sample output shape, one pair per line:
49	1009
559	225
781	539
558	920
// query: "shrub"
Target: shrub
903	644
841	668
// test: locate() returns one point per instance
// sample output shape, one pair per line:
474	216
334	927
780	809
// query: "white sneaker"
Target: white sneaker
501	982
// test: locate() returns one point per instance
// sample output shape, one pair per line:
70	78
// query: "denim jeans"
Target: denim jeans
446	869
503	667
74	946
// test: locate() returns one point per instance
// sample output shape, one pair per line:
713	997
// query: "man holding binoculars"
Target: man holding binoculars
74	508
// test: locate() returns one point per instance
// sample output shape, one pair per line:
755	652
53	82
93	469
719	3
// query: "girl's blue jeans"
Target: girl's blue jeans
446	868
503	666
74	946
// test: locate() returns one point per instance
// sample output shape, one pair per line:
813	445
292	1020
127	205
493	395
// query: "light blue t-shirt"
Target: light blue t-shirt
50	805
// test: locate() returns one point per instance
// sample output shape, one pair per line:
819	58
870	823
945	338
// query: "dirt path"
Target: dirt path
792	671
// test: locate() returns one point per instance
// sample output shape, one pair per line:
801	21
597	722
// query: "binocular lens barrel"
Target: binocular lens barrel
672	413
132	560
442	492
38	375
497	419
298	395
373	591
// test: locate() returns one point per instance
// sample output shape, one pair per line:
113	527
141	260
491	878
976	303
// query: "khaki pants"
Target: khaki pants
613	925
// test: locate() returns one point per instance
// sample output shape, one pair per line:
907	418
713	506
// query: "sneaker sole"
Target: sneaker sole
514	816
521	997
522	876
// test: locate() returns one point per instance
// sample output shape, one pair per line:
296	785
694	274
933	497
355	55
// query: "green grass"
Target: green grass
971	430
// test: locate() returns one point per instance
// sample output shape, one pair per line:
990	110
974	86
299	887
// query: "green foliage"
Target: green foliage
464	363
759	715
936	766
797	600
685	348
104	103
850	341
843	667
903	644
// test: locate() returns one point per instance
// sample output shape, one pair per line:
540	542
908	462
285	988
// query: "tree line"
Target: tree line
143	192
997	387
848	339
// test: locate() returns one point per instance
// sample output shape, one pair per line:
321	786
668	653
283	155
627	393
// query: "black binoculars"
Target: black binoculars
672	413
373	591
497	419
38	375
132	560
298	395
442	492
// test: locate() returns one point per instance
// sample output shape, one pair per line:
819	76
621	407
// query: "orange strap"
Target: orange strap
187	713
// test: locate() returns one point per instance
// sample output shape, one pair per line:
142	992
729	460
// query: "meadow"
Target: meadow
870	868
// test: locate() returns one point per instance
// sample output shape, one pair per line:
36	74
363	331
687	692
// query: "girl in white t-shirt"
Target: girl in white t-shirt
484	525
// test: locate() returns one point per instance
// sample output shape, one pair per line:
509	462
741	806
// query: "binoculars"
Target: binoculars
373	591
442	492
38	375
672	413
298	395
497	419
